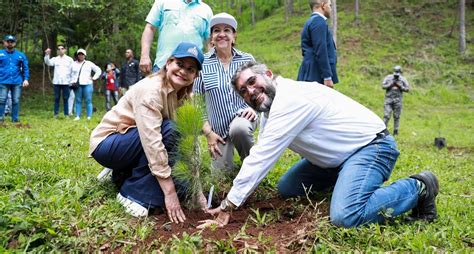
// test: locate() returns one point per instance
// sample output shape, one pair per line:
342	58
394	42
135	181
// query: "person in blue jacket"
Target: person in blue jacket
14	75
318	47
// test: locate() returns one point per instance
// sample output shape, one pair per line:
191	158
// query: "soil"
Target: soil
294	221
460	150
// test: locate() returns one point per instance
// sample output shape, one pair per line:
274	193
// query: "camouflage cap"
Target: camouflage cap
397	69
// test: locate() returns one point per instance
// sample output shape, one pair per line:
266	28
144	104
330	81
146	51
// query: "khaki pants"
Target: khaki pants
241	137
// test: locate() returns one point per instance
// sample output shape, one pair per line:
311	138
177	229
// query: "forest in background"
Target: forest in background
104	28
50	200
107	28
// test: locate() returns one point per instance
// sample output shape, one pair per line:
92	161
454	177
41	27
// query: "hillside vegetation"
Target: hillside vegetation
50	200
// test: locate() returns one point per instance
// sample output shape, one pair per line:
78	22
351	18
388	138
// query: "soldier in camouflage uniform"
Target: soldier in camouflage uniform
395	85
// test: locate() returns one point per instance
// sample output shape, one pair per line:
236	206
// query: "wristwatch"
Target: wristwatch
227	206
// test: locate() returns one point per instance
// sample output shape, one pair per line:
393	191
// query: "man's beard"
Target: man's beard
327	14
267	103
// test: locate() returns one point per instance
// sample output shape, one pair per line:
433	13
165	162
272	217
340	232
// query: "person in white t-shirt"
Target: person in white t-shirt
81	72
344	146
62	70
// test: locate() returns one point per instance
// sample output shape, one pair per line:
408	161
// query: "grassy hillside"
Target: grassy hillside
49	199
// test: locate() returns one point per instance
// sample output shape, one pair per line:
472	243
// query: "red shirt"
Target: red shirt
110	85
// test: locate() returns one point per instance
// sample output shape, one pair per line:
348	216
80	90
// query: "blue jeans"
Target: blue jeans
124	154
8	106
84	92
358	197
15	93
64	89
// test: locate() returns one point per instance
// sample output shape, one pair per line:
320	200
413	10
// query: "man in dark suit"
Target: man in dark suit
318	47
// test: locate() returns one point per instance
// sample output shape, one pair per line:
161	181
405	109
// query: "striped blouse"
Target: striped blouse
222	102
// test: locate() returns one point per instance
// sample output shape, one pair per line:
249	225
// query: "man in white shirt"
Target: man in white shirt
62	69
344	146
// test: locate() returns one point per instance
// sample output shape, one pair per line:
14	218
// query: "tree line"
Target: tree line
105	27
108	28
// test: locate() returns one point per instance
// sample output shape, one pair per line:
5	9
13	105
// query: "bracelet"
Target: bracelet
227	206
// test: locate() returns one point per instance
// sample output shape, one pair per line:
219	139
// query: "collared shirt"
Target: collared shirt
62	68
130	73
222	102
322	16
13	67
178	21
317	122
85	72
144	106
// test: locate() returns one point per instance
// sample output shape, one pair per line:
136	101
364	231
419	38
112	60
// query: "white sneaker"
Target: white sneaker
104	174
77	118
132	207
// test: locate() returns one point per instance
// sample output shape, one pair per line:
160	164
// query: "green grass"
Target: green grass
49	199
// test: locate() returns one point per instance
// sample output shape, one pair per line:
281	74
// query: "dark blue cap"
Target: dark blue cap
186	49
9	38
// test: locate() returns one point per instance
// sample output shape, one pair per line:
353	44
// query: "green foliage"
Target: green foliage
193	165
242	11
50	202
185	244
78	24
260	219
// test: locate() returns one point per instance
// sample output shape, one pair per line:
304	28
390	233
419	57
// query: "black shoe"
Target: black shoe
426	207
395	132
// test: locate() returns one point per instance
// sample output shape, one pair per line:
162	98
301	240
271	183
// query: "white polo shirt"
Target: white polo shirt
62	68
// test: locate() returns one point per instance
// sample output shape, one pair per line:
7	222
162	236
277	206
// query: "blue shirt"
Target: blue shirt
222	102
13	67
178	21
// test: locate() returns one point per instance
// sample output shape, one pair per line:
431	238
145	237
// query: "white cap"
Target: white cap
224	18
83	51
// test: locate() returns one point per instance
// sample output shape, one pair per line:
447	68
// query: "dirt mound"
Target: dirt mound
274	222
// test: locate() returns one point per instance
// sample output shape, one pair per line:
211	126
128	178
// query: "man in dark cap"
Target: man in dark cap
14	75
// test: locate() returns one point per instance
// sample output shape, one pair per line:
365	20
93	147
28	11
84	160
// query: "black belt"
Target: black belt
381	134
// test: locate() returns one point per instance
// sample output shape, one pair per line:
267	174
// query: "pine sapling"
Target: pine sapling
192	164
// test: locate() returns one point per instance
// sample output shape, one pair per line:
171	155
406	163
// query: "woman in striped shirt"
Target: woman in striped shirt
230	121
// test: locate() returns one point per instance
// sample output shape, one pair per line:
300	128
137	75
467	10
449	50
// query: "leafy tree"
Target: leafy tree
107	28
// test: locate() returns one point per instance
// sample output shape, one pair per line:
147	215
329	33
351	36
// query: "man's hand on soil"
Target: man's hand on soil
221	220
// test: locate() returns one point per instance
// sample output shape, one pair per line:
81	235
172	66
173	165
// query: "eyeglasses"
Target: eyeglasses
249	82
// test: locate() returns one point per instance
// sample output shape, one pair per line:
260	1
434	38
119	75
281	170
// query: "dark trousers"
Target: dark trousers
125	155
64	89
109	94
